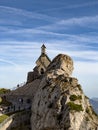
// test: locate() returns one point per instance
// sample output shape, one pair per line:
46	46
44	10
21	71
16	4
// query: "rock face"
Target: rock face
61	64
59	102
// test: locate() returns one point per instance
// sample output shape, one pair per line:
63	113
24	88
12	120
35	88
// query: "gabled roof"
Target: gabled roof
42	55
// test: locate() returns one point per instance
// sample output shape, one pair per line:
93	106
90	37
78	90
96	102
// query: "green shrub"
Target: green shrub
3	90
74	97
4	102
74	106
0	99
3	117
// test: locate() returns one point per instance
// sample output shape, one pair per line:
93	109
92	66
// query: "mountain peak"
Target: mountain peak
62	64
59	103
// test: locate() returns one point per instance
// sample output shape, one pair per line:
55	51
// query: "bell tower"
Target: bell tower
41	65
43	49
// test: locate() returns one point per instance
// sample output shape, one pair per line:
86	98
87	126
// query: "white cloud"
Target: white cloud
9	21
8	62
25	13
25	51
93	55
86	21
82	4
82	21
72	6
84	55
77	39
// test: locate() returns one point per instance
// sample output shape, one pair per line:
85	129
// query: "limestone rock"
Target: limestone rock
59	102
61	64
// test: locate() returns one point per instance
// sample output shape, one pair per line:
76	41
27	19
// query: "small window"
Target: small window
42	71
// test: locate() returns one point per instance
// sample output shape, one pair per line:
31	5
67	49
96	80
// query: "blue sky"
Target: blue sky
65	26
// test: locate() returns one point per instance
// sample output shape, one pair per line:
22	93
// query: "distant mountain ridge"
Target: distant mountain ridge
94	102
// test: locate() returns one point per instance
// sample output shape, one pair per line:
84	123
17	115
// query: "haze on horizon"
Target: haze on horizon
68	27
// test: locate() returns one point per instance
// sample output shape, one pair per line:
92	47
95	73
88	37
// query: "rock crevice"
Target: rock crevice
59	102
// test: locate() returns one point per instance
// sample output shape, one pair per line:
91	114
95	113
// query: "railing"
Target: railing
18	85
14	88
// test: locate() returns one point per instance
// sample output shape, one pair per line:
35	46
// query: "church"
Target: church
41	65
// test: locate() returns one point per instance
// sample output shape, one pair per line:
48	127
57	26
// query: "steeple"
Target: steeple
43	49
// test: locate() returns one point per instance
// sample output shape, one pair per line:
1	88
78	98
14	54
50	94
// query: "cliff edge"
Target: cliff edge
59	102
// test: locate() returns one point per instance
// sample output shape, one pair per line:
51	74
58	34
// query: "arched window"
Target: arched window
42	71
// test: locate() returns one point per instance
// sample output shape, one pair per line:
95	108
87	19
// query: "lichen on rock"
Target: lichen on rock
59	102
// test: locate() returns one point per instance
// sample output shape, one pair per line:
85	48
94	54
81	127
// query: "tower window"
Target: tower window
42	71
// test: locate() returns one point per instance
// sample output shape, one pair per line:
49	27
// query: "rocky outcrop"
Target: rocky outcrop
61	64
59	102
